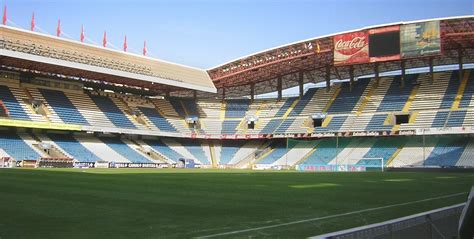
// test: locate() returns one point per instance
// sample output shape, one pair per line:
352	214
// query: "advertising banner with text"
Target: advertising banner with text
351	48
420	39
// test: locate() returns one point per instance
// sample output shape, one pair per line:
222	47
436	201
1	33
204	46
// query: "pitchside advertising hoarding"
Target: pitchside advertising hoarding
420	39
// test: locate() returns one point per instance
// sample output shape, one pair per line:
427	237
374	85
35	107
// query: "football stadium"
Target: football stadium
378	140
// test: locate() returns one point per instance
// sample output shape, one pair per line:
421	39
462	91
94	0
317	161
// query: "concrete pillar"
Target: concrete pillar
195	95
223	93
402	83
328	78
252	92
377	74
461	70
431	71
280	88
301	83
351	78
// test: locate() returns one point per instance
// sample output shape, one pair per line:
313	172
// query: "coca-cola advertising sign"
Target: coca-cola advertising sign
351	48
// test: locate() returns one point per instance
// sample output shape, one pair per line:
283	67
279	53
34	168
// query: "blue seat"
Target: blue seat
73	147
347	99
236	108
376	123
286	105
229	149
229	126
112	112
14	108
456	118
157	119
164	149
63	107
14	146
195	148
451	91
440	119
468	92
333	126
299	107
447	151
326	151
279	149
396	97
123	149
284	126
271	126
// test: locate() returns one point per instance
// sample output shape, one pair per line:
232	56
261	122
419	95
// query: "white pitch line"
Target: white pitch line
332	216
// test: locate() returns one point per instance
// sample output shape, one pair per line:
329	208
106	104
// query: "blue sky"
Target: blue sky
206	33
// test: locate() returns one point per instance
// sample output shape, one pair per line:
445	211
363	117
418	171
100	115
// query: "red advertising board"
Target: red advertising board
351	48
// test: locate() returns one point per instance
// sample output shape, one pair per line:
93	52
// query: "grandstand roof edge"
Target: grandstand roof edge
338	33
100	47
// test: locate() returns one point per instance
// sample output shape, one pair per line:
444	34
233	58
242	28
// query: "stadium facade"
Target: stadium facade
67	103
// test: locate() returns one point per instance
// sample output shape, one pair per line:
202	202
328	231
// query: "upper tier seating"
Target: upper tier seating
451	91
396	96
14	108
63	107
236	108
347	99
303	102
112	111
16	147
333	126
159	121
377	123
466	100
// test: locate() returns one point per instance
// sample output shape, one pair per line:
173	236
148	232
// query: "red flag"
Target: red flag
82	34
5	15
58	30
144	49
33	22
104	41
125	46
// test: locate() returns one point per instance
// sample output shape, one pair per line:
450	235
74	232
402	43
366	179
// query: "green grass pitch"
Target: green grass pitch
172	203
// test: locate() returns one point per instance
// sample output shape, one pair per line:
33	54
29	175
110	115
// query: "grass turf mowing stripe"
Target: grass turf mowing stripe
332	216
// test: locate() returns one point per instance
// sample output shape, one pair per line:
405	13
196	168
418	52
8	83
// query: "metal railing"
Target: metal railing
439	223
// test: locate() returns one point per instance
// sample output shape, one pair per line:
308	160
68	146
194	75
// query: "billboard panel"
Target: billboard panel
351	48
384	44
420	39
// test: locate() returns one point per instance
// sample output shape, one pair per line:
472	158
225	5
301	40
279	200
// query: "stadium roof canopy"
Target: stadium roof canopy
313	60
45	53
